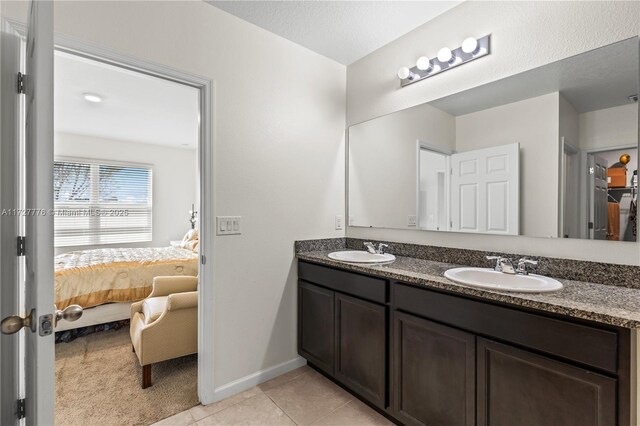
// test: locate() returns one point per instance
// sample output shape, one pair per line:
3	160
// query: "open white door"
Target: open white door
10	137
485	188
32	323
598	198
40	353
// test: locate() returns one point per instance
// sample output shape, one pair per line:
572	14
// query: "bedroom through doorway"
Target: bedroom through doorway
127	245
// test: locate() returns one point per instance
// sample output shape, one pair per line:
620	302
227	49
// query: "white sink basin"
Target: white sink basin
360	256
493	280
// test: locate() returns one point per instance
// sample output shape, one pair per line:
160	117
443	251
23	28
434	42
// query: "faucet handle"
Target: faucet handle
497	259
523	263
370	247
381	247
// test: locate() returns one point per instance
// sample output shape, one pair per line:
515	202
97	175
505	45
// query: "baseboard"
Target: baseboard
256	378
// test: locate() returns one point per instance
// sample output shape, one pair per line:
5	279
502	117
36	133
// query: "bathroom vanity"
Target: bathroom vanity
426	351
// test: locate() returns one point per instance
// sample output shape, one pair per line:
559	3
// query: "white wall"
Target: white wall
533	123
383	164
609	128
279	154
174	179
524	35
575	210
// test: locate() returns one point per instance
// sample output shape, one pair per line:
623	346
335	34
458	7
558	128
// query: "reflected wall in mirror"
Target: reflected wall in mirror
551	152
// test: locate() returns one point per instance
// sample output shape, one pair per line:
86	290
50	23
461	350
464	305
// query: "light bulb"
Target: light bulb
445	55
92	97
470	45
404	73
423	63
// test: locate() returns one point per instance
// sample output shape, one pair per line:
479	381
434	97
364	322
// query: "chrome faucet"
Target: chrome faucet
522	265
372	249
505	265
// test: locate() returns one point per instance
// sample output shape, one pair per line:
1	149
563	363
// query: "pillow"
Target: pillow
192	245
192	235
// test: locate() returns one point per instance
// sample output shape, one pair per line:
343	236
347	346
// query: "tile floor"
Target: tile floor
300	397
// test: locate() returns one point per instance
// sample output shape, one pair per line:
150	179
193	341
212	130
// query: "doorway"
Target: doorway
126	241
204	88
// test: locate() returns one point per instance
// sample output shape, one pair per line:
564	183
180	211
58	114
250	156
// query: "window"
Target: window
99	202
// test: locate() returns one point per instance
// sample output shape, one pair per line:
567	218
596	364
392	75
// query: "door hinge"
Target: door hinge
21	410
590	225
21	83
22	242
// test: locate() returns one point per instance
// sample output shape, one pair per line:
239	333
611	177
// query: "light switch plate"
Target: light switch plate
228	225
412	220
339	221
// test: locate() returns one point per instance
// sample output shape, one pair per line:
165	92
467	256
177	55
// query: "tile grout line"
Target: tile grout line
247	399
226	408
332	411
282	409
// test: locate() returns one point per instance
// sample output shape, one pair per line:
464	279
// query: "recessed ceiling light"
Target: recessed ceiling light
92	97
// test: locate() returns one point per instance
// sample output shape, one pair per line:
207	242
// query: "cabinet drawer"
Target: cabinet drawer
369	288
580	343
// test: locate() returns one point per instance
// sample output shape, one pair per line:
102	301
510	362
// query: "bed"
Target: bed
115	276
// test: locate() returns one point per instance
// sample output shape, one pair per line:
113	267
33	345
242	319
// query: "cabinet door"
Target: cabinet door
316	325
434	373
517	387
361	346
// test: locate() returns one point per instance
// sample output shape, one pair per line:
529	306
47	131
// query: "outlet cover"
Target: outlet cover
339	222
412	220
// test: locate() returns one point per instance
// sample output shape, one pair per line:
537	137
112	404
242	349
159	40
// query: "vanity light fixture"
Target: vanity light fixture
472	48
92	97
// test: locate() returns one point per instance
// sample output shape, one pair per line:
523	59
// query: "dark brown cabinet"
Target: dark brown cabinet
434	373
429	357
519	387
361	362
316	313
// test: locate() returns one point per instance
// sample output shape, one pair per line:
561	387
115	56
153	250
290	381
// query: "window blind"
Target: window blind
98	202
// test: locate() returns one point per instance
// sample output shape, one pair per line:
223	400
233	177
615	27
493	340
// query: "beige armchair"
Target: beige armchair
165	324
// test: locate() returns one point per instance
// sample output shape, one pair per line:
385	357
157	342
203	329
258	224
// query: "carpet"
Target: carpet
98	383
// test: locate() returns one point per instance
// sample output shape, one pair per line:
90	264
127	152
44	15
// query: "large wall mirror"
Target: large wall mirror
551	152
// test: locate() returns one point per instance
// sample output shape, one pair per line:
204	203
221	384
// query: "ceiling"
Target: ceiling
597	79
135	107
344	31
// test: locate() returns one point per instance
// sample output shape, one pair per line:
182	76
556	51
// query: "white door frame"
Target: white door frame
420	145
565	147
206	151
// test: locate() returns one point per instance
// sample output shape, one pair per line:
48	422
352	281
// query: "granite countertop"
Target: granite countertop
607	304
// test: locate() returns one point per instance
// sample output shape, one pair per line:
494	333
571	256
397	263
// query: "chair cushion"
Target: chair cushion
153	307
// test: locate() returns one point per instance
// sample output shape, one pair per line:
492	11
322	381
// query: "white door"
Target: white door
38	284
598	198
10	137
485	188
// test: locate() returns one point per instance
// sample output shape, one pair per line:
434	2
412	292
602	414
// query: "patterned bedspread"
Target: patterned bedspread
94	277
